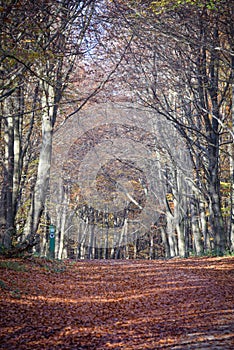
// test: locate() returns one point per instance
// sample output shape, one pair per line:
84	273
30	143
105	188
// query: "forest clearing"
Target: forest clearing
117	304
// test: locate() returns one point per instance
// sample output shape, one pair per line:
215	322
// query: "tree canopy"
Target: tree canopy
67	67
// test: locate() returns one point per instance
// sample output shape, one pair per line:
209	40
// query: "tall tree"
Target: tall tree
181	74
41	42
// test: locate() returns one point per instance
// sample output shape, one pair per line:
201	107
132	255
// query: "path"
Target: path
102	305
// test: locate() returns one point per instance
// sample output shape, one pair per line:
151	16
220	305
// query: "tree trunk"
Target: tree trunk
151	247
7	212
216	220
196	229
165	242
179	214
43	172
232	202
232	156
170	230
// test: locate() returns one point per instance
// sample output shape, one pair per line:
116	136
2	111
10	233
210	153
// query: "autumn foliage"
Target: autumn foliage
117	304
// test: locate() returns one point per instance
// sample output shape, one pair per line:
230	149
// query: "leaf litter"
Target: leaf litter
125	304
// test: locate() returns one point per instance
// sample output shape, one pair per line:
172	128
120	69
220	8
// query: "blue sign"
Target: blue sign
52	240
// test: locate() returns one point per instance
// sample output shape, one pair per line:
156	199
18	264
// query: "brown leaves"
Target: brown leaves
176	304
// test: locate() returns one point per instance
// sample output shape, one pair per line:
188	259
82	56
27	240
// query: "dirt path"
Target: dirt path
175	304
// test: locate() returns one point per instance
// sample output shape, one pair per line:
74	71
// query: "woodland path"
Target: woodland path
101	305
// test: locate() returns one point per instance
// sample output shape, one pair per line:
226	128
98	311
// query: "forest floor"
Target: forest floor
108	304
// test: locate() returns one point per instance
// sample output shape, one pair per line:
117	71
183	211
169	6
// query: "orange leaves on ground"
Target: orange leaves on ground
174	304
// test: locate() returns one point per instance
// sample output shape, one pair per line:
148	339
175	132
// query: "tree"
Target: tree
183	77
38	56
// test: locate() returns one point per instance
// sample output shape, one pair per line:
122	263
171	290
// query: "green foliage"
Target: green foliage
12	265
159	7
3	285
211	253
55	268
48	264
228	253
2	249
15	293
